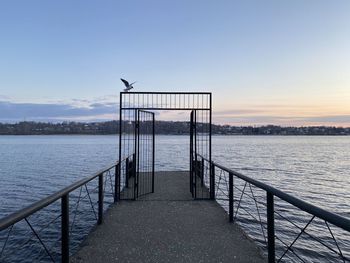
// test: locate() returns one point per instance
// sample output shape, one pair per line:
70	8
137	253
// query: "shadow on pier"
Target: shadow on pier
167	226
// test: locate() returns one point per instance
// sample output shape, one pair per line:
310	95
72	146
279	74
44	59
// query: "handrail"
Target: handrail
63	194
333	218
15	217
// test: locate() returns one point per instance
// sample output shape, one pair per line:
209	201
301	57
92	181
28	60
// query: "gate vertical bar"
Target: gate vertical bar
136	156
191	153
195	154
212	176
120	141
153	151
212	169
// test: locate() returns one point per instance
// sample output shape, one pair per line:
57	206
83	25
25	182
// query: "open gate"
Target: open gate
144	148
137	141
201	173
137	154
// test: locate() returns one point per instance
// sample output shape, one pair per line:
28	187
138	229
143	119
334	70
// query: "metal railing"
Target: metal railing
106	178
281	208
233	190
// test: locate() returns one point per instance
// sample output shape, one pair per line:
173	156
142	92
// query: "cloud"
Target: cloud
281	115
237	112
102	109
14	111
330	119
252	119
3	97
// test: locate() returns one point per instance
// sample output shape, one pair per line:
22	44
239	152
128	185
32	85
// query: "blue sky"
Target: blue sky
279	62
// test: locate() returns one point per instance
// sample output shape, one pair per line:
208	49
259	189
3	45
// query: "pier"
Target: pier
168	226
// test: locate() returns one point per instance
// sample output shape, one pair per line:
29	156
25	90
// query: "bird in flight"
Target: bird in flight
127	85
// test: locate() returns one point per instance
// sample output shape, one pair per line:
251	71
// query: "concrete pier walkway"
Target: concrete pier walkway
167	226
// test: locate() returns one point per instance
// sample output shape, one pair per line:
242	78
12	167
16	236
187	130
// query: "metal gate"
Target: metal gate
136	141
144	148
137	155
201	173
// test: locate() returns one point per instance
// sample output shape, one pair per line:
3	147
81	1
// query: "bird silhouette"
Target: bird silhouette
127	85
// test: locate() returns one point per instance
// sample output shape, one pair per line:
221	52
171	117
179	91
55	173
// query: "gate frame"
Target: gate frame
159	106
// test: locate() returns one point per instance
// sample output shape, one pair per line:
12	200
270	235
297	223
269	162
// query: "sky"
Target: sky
266	62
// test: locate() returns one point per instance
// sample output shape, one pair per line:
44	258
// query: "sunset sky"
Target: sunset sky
266	62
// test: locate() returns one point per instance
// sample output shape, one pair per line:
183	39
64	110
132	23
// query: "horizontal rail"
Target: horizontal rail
167	92
15	217
165	108
333	218
271	192
64	195
29	210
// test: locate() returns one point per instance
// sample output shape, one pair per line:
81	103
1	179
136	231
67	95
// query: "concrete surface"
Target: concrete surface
167	226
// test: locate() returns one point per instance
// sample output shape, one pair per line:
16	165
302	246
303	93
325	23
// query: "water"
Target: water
315	169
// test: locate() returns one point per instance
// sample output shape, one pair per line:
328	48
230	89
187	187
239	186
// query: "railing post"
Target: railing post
270	228
65	228
127	172
212	181
116	182
191	177
100	199
202	172
134	165
230	192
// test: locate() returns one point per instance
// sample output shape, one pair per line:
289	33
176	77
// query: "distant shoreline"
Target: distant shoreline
184	134
164	128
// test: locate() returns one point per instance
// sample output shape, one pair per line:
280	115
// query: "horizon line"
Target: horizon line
218	124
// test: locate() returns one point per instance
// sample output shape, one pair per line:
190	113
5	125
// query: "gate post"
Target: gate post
212	181
153	150
134	165
191	153
127	172
117	183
